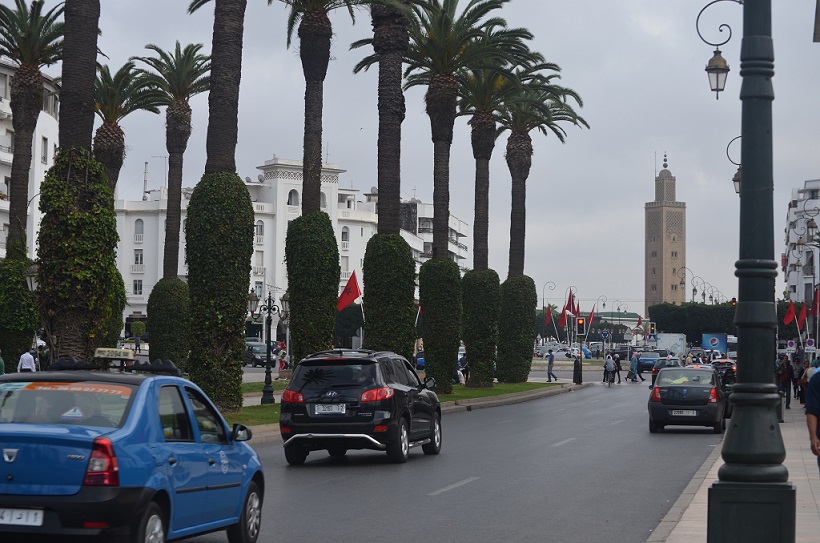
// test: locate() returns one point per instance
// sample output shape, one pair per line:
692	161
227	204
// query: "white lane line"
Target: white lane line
594	401
559	410
617	422
563	442
504	421
452	486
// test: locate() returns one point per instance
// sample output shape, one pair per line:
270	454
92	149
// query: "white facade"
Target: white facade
44	146
798	262
276	194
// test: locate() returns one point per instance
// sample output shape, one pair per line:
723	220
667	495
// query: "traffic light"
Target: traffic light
734	302
651	327
581	326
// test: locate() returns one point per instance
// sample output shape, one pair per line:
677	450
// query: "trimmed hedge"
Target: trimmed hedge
119	299
169	315
312	258
516	329
390	284
219	246
481	295
440	300
18	317
77	262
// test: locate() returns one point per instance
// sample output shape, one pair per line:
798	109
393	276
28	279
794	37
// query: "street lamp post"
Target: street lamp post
752	500
270	309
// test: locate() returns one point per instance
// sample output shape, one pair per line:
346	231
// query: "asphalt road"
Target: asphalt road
576	467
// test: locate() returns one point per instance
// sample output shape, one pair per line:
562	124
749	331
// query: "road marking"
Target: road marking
559	410
594	401
504	421
618	422
563	442
452	486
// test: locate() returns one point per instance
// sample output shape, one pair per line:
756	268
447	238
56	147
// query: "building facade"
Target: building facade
799	259
665	243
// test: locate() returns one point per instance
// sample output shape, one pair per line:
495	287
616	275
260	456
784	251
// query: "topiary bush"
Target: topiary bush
516	329
18	316
113	327
219	246
312	258
169	316
440	300
77	269
138	328
481	297
390	288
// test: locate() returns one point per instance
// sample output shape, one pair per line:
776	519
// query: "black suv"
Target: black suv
358	399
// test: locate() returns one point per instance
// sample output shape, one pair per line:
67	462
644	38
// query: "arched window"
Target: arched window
293	198
139	227
345	234
322	200
260	228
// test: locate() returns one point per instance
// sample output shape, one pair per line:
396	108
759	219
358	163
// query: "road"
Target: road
576	467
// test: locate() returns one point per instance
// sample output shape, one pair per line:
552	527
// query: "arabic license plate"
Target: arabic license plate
21	517
685	412
330	408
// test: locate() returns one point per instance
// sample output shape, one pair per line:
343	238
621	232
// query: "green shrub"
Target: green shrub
389	275
111	334
516	329
312	256
138	328
481	297
169	314
219	246
440	300
18	317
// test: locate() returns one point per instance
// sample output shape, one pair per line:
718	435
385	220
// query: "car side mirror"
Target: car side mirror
240	432
430	383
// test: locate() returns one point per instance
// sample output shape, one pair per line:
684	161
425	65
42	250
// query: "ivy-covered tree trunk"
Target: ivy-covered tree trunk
219	241
389	277
481	297
312	256
516	330
169	315
440	300
18	317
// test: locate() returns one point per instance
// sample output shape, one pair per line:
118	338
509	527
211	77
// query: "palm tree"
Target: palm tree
541	106
180	75
76	123
442	44
32	40
128	90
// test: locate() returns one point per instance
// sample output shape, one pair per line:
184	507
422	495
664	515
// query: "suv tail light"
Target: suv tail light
656	395
291	396
377	394
713	396
102	467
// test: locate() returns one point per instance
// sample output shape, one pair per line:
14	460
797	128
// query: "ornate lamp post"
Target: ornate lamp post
270	309
285	300
753	499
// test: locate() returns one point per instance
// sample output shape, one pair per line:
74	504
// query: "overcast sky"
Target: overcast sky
637	64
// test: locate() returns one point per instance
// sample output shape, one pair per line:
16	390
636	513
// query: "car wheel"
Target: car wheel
247	529
337	452
151	528
295	456
434	447
653	427
399	450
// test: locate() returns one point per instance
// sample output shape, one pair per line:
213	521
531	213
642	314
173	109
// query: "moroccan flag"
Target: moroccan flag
801	319
548	315
562	322
789	313
591	316
350	293
569	305
640	320
577	309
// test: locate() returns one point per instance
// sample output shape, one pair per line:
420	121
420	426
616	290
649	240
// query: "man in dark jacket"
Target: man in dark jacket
784	379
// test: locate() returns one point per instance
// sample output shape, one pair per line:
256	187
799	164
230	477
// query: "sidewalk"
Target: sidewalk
687	520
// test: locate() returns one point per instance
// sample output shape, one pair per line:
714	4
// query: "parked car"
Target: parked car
256	354
253	339
689	396
137	454
358	399
727	370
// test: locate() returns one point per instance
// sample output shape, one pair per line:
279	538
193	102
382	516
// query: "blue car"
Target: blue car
133	455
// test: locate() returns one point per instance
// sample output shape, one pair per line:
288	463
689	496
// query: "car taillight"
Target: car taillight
656	395
377	394
713	396
102	467
291	396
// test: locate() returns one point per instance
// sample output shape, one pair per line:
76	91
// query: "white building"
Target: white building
276	194
798	262
44	146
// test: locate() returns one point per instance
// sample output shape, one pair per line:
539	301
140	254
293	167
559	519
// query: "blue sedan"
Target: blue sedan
122	454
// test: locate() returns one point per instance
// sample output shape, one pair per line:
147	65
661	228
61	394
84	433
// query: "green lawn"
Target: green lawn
256	388
461	392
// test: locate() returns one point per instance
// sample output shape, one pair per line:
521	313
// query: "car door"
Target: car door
423	407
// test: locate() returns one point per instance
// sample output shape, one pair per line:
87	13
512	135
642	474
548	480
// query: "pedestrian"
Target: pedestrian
784	379
797	373
802	381
577	371
812	413
464	367
689	359
640	371
550	364
608	362
633	367
2	364
26	363
617	358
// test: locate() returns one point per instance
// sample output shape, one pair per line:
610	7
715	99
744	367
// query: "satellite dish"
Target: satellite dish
247	180
374	190
261	177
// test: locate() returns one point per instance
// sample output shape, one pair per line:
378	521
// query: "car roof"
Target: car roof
356	355
78	376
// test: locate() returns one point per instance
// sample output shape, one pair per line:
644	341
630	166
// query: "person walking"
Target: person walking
26	363
550	365
577	371
639	370
813	413
784	379
137	344
617	359
797	373
688	359
633	367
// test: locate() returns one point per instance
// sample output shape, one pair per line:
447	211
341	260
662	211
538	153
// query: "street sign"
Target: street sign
791	347
605	334
810	346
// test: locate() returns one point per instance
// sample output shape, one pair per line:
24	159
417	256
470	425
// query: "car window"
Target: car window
333	374
207	420
173	416
388	370
412	378
686	377
399	372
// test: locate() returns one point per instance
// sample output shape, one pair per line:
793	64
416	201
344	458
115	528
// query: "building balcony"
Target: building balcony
259	270
138	238
260	240
425	230
137	268
294	210
345	246
345	276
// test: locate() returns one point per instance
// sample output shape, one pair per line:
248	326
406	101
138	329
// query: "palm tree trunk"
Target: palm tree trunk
519	161
177	133
441	108
483	142
315	32
109	149
76	123
223	99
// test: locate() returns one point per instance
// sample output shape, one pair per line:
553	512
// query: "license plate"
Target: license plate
21	517
685	412
330	408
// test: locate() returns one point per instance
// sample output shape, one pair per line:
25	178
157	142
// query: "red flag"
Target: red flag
568	306
562	322
640	320
801	319
591	316
350	293
789	313
577	309
548	315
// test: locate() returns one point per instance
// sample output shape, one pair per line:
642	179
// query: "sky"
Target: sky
638	66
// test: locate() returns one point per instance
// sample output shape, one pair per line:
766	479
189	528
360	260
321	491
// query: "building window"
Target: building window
44	151
322	200
137	287
293	198
257	287
139	228
674	254
674	271
345	234
653	288
674	286
259	229
653	271
138	256
653	254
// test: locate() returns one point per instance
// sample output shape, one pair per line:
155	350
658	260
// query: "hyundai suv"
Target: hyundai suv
358	399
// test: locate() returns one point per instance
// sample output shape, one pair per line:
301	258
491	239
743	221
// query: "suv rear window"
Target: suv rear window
334	374
58	402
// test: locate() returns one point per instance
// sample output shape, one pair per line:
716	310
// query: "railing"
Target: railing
345	214
260	240
6	149
345	275
345	245
294	210
259	270
425	230
137	268
138	238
